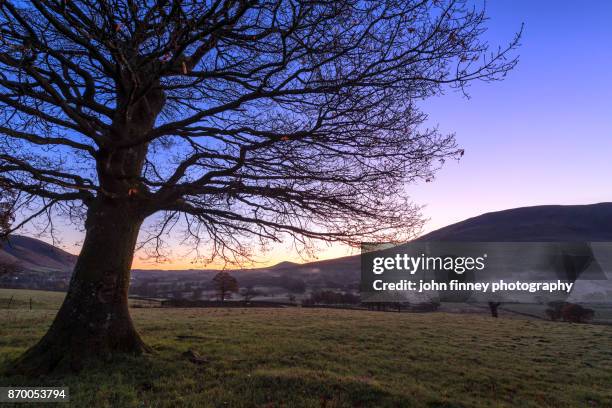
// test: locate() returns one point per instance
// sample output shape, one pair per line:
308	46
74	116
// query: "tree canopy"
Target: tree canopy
245	118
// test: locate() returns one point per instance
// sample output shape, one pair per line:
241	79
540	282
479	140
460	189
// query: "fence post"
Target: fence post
30	303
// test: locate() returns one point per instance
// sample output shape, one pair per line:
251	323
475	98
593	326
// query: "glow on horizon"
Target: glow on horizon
275	257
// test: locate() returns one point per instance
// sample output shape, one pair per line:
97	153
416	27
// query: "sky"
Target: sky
541	136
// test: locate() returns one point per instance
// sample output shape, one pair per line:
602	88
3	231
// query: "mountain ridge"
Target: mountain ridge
35	255
588	222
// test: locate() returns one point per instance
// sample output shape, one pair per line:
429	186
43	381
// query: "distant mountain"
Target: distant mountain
35	255
541	223
284	264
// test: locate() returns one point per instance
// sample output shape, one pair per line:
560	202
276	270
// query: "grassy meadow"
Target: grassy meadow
299	357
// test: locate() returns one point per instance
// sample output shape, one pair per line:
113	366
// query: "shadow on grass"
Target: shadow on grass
160	381
291	387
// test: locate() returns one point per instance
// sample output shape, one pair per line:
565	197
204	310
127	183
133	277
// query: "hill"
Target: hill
302	357
35	255
540	223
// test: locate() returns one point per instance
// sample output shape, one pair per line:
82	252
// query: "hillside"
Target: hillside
35	255
540	223
301	357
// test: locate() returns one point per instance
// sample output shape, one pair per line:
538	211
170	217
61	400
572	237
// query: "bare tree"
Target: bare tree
225	285
250	120
249	293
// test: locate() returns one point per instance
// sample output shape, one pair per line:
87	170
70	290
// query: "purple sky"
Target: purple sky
542	136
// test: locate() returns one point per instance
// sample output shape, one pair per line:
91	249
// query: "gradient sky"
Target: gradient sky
542	136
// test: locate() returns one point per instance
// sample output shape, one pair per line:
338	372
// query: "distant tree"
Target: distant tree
554	309
291	297
197	294
10	268
575	313
249	293
225	284
251	120
493	306
569	312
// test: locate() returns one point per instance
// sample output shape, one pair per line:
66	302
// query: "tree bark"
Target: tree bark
94	320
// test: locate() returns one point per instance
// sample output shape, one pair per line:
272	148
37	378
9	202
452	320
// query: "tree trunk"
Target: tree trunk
94	320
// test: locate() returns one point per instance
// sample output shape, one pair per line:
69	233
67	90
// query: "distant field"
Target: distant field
299	357
603	312
20	299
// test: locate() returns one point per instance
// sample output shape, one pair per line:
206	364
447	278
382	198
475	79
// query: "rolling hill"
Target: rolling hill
540	223
35	255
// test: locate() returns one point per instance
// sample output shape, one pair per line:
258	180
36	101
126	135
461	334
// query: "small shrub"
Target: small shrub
574	313
569	312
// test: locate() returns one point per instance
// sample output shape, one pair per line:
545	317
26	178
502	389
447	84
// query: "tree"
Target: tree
10	268
249	293
249	121
493	306
197	294
570	312
225	285
7	214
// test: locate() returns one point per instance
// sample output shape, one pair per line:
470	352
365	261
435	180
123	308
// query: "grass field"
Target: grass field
330	358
